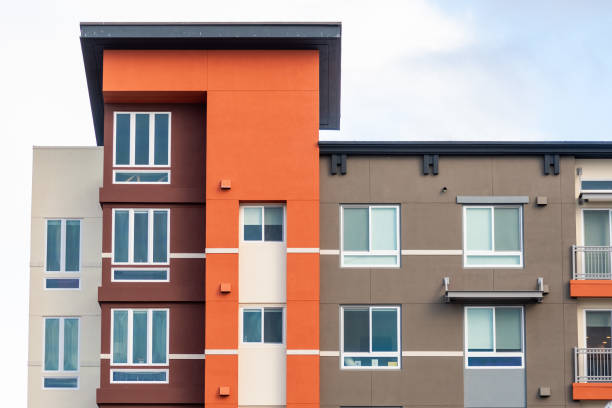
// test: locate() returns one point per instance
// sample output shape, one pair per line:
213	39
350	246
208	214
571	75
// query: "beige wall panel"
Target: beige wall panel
263	272
261	375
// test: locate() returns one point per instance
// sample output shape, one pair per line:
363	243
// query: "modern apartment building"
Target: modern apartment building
212	252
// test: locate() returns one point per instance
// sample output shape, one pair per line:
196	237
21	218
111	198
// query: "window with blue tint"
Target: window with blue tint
370	337
161	177
121	238
251	325
370	236
273	223
148	134
253	220
139	376
54	244
141	236
61	352
141	149
140	336
73	245
122	139
140	275
596	185
60	382
63	246
494	336
273	325
62	283
161	138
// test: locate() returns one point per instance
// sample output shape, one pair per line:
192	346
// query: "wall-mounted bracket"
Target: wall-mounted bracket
430	164
338	160
551	160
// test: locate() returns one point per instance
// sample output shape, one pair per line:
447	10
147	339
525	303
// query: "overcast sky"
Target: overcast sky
411	70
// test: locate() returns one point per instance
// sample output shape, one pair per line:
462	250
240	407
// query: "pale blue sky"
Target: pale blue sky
411	70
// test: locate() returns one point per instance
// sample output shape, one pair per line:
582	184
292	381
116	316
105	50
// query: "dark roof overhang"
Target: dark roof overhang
325	37
495	296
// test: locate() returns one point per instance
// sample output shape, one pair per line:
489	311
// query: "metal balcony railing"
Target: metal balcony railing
592	365
591	262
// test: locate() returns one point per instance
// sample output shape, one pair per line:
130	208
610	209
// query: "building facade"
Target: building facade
240	262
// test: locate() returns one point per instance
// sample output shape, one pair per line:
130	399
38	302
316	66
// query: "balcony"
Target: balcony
592	374
591	271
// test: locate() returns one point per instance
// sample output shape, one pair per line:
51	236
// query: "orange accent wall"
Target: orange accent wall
591	288
592	391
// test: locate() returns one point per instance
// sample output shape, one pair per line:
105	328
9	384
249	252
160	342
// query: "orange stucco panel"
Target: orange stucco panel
221	371
153	71
302	379
302	324
303	276
221	268
592	391
221	325
263	70
221	223
303	222
591	288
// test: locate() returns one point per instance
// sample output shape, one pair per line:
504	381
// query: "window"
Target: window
370	337
263	223
370	236
63	253
139	376
140	275
596	186
139	336
597	254
140	236
494	337
142	139
61	352
493	236
262	325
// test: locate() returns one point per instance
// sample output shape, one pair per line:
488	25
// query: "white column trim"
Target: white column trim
302	250
221	250
105	356
329	252
187	255
107	255
329	353
303	352
221	351
186	356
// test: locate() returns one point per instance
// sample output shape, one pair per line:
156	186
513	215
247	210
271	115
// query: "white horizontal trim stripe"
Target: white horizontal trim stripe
221	351
329	353
303	352
302	250
432	252
329	252
106	255
105	356
188	255
186	356
221	250
432	353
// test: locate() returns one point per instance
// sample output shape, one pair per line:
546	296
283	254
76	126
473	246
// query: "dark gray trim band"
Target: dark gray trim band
518	296
492	199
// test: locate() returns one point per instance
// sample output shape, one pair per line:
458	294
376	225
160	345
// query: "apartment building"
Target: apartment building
239	262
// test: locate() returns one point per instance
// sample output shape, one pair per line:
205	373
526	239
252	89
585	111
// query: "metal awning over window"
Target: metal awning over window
495	296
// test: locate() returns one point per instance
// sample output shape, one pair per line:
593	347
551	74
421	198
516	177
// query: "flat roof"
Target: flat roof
325	37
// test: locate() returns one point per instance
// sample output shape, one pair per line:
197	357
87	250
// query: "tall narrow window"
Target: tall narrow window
142	139
140	236
263	223
493	236
139	337
370	236
370	337
61	352
494	337
597	253
63	253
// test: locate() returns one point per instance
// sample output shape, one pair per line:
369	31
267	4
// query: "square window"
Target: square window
140	236
493	236
370	236
262	325
142	139
139	336
370	337
263	223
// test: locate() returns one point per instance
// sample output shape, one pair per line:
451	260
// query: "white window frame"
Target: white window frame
78	381
138	371
583	210
371	354
60	372
115	171
263	223
131	237
493	353
371	252
493	252
584	324
61	278
130	337
113	269
594	179
62	270
262	308
133	140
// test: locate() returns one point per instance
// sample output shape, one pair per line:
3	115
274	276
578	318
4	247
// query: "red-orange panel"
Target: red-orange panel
303	222
302	325
591	288
592	391
221	268
302	379
154	70
263	70
222	223
221	325
221	371
302	276
265	143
